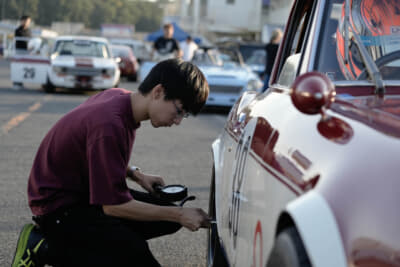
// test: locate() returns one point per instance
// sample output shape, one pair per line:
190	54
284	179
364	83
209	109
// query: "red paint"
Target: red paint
311	92
84	62
30	60
258	232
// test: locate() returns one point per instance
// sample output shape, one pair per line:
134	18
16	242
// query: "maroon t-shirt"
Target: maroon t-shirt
83	158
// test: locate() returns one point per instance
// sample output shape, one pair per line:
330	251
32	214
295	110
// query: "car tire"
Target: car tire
49	87
288	250
215	254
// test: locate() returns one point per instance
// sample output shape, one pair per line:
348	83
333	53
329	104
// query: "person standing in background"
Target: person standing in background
271	49
167	44
24	32
188	47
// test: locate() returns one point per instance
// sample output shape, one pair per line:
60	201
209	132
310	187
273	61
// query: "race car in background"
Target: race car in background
128	65
226	74
75	62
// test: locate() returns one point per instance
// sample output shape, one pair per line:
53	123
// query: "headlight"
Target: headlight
254	85
108	72
59	69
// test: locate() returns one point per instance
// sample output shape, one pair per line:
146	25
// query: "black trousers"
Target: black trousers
85	236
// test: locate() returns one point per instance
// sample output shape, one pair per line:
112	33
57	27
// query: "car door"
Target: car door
30	66
261	169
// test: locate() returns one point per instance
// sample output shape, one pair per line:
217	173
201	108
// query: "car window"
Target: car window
117	52
288	74
85	48
207	57
294	44
376	23
258	57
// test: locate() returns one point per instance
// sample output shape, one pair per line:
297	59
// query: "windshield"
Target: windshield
84	48
120	52
207	57
258	57
377	23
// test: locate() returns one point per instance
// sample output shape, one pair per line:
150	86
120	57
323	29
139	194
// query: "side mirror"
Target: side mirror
312	93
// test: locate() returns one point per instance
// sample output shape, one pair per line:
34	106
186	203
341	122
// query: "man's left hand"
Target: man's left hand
147	181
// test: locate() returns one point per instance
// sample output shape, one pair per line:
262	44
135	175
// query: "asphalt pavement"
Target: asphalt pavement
182	155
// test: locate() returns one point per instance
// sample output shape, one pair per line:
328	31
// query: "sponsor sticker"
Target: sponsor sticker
395	29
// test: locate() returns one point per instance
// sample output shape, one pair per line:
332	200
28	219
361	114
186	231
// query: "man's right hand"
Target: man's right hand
194	218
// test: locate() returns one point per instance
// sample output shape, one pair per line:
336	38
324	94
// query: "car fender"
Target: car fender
316	230
216	152
215	147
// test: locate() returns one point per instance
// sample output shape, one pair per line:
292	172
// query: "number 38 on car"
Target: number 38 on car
307	173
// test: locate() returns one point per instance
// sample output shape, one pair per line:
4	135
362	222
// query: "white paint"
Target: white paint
318	229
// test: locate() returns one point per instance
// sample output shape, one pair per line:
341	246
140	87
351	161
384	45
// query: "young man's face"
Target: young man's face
165	113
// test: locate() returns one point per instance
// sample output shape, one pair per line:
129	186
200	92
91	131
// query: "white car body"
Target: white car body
306	173
244	234
88	71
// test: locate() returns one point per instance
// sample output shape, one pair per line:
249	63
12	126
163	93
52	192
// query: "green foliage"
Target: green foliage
146	16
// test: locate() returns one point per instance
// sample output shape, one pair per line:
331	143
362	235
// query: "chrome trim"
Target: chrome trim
78	71
365	83
279	87
315	30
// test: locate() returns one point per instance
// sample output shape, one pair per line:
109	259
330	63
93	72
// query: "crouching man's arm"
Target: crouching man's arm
190	218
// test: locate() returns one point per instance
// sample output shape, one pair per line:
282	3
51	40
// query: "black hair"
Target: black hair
189	37
181	80
168	25
24	17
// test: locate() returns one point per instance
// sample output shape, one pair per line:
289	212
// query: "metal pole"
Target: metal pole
196	15
3	7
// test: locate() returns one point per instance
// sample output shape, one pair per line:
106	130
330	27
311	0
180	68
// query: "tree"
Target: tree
146	16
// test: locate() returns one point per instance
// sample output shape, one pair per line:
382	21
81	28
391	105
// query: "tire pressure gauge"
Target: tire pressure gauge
174	192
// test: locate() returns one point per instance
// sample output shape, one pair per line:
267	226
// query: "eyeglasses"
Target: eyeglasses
180	113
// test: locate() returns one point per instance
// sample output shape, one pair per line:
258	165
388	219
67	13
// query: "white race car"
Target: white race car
76	62
82	62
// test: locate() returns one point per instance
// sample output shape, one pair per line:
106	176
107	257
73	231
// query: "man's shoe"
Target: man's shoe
30	244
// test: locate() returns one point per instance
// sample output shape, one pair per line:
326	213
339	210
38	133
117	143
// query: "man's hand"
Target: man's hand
194	218
147	181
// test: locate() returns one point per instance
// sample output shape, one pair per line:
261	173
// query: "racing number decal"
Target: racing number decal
240	160
29	73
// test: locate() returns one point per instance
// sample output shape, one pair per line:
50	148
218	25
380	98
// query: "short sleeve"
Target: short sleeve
108	159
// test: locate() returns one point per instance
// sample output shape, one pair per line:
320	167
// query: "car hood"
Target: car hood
236	73
362	184
89	62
